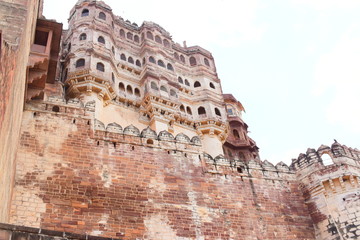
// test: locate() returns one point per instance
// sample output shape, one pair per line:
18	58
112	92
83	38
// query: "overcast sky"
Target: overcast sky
293	64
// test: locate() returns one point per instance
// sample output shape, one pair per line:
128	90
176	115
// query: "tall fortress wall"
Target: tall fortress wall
126	134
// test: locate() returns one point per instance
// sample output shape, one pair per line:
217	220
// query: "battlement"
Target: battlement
314	160
113	134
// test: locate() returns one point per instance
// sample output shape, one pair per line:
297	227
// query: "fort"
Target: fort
110	130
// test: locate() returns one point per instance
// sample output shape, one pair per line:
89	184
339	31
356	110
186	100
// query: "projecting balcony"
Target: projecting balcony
43	58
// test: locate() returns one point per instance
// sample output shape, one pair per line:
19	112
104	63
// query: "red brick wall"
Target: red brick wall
69	179
17	24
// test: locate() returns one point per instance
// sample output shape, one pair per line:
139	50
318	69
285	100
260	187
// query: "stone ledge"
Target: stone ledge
15	232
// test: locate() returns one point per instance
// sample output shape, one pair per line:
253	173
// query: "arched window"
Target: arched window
85	12
137	92
173	93
236	133
180	80
206	61
212	85
80	63
136	38
82	37
121	87
138	63
69	47
102	16
176	56
192	61
217	112
144	61
113	77
100	67
152	60
123	57
129	89
131	60
161	63
188	110
170	67
158	39
182	58
182	108
113	49
122	33
197	84
154	86
201	111
326	159
187	82
112	24
149	35
163	88
101	39
129	35
166	43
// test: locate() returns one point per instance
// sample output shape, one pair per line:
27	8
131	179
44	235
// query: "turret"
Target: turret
330	180
238	144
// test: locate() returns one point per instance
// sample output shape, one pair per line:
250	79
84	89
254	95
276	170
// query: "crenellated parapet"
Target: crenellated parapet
314	160
329	178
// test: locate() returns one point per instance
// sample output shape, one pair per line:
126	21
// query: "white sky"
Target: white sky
294	64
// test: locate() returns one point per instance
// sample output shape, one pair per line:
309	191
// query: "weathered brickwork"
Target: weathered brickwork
330	180
17	26
14	232
129	136
73	178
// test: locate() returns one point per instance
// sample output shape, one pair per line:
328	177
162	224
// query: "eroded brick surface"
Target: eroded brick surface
70	179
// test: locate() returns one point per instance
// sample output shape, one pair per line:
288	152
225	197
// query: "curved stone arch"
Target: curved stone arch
182	138
114	127
196	140
268	165
75	102
165	136
282	166
90	104
98	125
148	133
132	131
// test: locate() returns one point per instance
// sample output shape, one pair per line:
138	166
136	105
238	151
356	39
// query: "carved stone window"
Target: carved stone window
192	61
158	39
161	63
154	86
82	37
85	12
206	61
101	39
100	67
217	112
80	63
102	16
152	60
149	35
197	84
170	67
201	111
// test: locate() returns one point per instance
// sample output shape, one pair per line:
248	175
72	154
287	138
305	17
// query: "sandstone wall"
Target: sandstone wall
331	189
17	25
74	176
